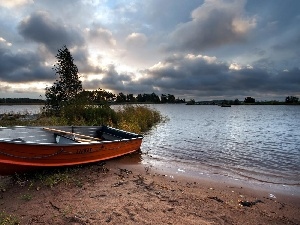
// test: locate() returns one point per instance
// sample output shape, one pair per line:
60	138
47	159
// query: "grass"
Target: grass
133	118
138	118
26	197
48	178
7	219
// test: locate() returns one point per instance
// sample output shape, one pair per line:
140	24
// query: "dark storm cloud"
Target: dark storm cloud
117	82
213	24
288	81
162	14
22	67
80	56
27	66
111	79
41	28
204	76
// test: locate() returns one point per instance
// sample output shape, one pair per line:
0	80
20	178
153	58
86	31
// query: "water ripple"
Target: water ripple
253	142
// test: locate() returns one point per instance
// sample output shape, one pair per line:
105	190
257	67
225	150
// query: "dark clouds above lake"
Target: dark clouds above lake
201	49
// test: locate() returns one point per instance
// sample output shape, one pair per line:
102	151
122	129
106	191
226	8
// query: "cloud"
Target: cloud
200	76
14	3
5	42
81	60
213	24
211	47
23	66
204	76
136	40
111	79
100	35
40	27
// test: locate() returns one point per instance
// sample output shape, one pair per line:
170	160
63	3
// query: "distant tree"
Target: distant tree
155	98
171	98
121	97
249	100
68	85
178	100
225	102
147	97
191	102
130	98
139	98
291	99
163	98
236	102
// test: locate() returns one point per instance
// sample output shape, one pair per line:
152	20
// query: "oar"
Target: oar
76	134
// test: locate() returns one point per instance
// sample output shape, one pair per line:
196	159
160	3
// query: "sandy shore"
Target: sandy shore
115	192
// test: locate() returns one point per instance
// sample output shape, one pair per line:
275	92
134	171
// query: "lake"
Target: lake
257	145
22	109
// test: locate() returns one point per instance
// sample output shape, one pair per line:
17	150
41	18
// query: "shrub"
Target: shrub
137	118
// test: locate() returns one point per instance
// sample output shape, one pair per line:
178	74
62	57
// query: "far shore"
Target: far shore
22	103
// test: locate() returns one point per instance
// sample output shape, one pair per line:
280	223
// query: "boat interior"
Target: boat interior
63	134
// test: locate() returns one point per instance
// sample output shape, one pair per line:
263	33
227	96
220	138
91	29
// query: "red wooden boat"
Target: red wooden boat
29	148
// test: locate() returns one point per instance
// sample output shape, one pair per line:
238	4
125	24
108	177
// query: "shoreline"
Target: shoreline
123	190
273	189
262	189
189	172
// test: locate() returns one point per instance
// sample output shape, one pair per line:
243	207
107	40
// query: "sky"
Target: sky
195	49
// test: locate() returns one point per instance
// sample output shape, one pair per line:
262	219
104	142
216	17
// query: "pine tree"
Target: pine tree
67	87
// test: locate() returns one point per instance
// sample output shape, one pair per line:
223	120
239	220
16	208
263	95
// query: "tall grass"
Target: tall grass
137	118
133	118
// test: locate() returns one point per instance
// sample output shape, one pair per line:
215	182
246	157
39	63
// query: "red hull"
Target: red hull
24	156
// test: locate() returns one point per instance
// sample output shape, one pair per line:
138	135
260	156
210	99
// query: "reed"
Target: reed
133	118
137	118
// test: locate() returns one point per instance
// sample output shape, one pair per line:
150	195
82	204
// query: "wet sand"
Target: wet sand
120	191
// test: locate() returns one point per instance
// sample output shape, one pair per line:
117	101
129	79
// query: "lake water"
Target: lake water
257	145
253	144
22	109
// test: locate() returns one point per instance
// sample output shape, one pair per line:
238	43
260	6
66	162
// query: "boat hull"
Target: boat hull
24	156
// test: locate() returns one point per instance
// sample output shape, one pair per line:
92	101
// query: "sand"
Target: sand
114	192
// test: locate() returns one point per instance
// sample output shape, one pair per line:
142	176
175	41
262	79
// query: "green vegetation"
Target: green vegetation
291	100
26	197
67	87
6	219
133	118
46	178
137	118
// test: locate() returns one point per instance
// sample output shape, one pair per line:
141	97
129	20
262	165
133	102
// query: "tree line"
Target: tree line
21	101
